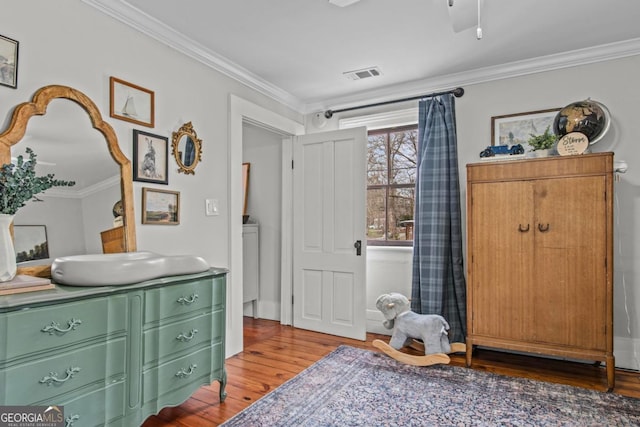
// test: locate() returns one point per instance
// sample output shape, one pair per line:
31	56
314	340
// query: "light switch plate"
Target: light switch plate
211	207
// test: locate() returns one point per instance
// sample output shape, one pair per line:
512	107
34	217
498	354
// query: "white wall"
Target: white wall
73	220
389	269
70	43
73	223
63	219
97	213
612	83
263	149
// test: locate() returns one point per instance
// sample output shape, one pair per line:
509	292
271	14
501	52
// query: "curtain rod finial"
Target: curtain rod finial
328	114
458	92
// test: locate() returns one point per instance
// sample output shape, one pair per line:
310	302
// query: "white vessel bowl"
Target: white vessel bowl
122	268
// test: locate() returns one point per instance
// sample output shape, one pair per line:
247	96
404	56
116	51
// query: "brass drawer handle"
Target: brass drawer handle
55	327
70	420
183	373
188	300
184	338
523	230
53	376
542	228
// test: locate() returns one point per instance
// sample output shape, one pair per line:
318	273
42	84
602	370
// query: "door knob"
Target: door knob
358	246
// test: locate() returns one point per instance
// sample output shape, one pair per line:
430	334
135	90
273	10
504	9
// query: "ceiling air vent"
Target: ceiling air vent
363	74
343	3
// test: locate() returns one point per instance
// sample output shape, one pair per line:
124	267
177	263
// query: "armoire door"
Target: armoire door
570	261
502	247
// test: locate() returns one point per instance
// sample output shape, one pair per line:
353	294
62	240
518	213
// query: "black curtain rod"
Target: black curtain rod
457	92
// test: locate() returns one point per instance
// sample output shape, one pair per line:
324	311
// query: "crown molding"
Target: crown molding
84	192
124	12
133	17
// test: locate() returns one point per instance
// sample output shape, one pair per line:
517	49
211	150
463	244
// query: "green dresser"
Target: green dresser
114	355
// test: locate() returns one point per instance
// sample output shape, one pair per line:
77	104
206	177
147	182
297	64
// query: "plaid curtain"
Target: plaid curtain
438	285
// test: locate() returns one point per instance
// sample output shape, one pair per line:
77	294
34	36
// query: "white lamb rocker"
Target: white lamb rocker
408	326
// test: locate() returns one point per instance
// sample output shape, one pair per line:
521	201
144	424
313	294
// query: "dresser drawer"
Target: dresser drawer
102	407
49	328
167	340
177	378
185	298
47	378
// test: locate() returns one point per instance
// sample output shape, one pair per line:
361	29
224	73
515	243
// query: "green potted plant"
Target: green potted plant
544	141
18	185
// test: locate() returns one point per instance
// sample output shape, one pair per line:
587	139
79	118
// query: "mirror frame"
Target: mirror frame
38	106
186	130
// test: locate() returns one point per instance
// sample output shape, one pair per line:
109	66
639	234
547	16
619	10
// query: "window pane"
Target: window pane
376	215
377	159
401	213
403	151
391	176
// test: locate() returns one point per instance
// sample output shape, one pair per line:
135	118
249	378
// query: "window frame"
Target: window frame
388	187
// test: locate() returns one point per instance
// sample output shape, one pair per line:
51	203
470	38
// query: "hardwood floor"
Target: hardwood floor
274	354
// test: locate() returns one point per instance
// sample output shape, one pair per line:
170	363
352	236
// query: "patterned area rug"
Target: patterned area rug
354	387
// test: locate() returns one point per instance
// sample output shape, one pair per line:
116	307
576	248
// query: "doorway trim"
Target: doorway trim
241	110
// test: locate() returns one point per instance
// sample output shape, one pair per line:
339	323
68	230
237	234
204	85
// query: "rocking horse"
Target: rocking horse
408	326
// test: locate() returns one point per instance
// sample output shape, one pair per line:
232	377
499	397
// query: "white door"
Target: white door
329	241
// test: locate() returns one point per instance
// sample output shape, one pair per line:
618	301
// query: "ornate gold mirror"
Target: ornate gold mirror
187	149
74	154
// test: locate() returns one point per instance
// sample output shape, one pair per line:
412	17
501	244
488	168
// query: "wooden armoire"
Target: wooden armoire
540	257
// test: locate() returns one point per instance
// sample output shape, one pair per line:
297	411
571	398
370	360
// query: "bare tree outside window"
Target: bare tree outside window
391	178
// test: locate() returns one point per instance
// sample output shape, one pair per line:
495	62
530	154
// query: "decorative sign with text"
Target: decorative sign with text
572	143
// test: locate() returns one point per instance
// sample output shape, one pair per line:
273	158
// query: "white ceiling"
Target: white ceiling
296	50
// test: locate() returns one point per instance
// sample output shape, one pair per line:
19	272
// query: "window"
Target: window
391	177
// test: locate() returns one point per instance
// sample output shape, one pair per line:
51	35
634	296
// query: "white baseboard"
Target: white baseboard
627	353
266	310
374	323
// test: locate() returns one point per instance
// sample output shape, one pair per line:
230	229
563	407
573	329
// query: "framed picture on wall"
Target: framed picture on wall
517	128
150	157
30	242
131	103
8	62
160	207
